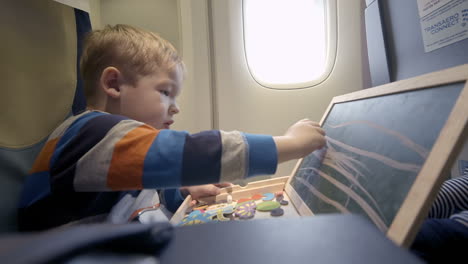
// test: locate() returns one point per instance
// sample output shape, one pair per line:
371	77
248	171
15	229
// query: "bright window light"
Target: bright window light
285	41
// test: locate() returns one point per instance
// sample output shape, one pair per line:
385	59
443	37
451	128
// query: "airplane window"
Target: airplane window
286	42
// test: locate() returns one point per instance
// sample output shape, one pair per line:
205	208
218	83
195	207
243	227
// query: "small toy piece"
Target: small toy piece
216	206
243	200
284	202
257	197
196	217
268	196
246	210
220	216
226	209
268	206
277	212
279	196
229	198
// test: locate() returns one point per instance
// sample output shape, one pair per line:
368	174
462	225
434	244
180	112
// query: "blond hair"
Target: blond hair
135	52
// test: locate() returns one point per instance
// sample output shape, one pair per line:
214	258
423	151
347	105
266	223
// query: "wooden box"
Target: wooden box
389	149
237	192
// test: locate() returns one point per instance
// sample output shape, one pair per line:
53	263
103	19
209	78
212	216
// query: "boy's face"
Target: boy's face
153	98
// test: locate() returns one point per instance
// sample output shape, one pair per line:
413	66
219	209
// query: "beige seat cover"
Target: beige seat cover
37	69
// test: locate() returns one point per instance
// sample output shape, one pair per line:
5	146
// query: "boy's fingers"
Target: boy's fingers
321	131
209	190
313	123
223	184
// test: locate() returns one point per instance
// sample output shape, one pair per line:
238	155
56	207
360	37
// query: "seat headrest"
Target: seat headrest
38	70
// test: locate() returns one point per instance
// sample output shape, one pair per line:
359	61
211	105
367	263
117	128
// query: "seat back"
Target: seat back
40	86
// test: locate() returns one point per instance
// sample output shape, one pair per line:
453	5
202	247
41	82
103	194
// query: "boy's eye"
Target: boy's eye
166	93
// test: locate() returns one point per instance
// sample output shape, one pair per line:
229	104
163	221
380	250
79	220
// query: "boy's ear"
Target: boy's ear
110	81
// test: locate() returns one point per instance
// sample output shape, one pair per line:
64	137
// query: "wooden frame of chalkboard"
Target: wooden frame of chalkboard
435	164
429	176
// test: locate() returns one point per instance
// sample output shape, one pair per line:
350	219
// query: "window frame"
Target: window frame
331	40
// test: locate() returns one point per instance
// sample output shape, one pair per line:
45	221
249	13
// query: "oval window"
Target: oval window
289	44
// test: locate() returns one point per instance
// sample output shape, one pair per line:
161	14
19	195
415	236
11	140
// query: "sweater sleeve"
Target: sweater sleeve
111	153
171	198
452	199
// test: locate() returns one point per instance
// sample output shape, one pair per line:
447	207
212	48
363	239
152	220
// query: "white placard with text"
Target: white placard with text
443	22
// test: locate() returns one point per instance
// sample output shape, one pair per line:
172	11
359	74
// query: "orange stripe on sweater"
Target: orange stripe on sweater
43	159
126	168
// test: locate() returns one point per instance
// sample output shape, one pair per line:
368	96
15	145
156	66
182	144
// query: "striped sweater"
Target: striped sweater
94	159
452	201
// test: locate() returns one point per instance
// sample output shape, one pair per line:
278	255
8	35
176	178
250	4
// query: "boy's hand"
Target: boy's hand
199	191
299	140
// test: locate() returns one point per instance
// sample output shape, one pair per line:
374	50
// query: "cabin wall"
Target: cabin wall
396	48
161	16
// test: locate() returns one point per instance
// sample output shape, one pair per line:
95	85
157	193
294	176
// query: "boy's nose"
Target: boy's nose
174	109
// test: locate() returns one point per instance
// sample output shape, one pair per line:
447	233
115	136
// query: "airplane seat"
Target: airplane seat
41	87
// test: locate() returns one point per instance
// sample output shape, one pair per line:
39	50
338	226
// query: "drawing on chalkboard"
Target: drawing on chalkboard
354	171
375	149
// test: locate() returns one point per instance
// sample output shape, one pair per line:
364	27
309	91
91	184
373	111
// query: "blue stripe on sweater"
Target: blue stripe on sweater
163	161
71	131
263	156
80	139
202	158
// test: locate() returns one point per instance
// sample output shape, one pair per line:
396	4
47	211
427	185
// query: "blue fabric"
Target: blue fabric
166	149
35	188
173	199
263	156
80	137
69	134
15	164
440	240
202	158
83	26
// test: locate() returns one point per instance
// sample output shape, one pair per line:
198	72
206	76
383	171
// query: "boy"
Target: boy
94	164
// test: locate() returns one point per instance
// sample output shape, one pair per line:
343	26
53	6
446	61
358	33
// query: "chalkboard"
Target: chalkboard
381	142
